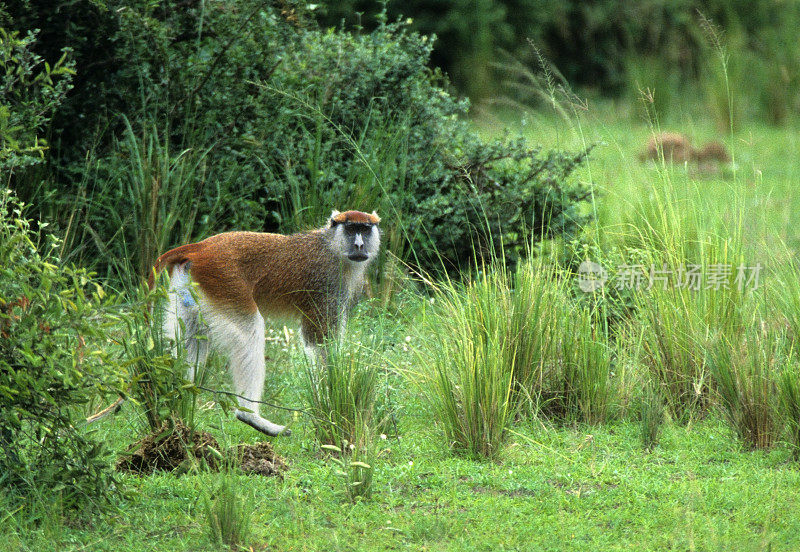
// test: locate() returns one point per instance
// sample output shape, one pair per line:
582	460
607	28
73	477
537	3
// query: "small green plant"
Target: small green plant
744	366
355	461
156	366
228	514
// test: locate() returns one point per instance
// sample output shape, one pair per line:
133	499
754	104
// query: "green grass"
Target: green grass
552	489
552	484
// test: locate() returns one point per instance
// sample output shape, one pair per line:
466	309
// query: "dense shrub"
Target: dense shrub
49	314
49	317
265	122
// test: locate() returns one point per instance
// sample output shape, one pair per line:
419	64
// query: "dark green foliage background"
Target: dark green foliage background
281	121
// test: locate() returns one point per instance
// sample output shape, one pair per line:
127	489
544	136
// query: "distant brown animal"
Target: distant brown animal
712	151
677	148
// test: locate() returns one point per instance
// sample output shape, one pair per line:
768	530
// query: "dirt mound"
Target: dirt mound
171	447
175	448
260	459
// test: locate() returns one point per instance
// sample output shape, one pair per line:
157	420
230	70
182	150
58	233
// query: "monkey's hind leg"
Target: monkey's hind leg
241	338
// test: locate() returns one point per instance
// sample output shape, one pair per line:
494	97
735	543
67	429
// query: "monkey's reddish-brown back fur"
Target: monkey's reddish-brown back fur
251	270
229	267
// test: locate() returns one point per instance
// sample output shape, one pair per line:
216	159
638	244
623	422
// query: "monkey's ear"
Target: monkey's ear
376	217
332	221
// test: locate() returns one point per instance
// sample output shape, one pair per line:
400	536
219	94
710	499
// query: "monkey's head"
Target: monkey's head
355	234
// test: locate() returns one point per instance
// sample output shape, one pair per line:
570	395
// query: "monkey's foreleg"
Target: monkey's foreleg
314	330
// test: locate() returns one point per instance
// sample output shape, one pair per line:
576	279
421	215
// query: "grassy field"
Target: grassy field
552	486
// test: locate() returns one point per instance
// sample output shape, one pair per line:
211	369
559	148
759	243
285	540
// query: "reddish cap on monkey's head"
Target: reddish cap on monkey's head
357	217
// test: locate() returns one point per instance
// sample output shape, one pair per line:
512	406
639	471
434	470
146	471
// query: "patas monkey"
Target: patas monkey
243	277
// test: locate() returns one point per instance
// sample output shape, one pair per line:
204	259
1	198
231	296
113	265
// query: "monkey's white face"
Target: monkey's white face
356	241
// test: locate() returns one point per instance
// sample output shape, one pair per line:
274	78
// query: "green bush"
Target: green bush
50	316
266	122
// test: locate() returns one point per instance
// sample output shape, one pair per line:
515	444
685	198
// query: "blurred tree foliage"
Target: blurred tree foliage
602	44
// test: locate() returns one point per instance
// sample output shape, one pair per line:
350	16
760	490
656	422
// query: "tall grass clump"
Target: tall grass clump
153	196
585	391
470	364
534	296
788	300
690	282
789	402
228	514
343	393
652	415
789	378
348	410
745	366
509	343
673	349
678	325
